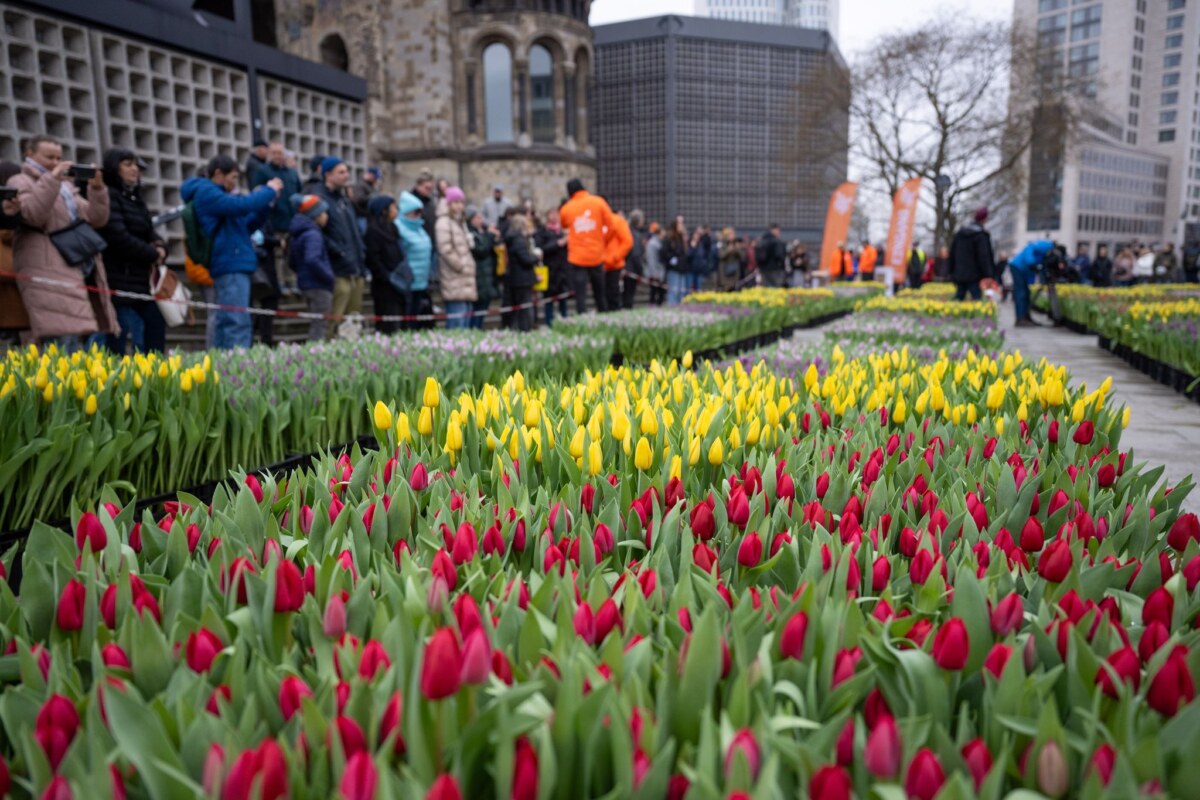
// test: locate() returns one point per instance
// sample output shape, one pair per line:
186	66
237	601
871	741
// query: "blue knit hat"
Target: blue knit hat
379	205
329	164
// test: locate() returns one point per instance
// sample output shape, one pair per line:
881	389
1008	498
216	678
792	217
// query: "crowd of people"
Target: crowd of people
82	243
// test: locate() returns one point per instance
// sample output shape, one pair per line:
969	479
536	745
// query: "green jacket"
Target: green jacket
483	248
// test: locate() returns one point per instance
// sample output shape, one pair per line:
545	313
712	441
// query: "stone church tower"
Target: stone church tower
480	92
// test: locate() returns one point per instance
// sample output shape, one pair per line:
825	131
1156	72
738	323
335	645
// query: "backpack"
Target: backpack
198	246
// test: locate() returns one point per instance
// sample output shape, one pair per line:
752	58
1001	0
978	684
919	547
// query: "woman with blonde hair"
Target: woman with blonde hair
1122	272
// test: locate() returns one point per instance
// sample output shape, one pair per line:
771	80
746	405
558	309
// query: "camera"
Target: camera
8	193
80	173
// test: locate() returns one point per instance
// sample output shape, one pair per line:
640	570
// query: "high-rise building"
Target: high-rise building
1130	172
820	14
726	123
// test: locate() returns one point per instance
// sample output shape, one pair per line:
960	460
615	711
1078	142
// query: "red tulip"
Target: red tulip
1159	607
55	727
554	560
704	557
441	669
925	777
951	644
746	745
391	721
830	782
219	694
89	533
476	658
1054	564
1104	760
255	488
1191	572
881	573
738	508
979	760
882	756
822	485
292	691
750	551
1153	638
57	789
704	527
1127	666
1007	615
444	788
1106	476
374	658
71	603
1052	432
1085	432
1185	529
921	567
351	736
289	587
844	748
791	641
264	766
584	621
466	614
607	618
997	659
418	478
1033	537
202	649
525	772
334	621
115	657
844	663
361	778
1172	686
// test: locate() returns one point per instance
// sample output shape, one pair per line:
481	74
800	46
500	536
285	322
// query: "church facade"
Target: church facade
479	92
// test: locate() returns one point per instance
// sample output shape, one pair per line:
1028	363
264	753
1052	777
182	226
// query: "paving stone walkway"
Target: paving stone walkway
1164	428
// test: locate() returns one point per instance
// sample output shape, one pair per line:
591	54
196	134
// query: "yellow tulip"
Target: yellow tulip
694	451
42	379
716	452
595	459
127	401
676	467
687	360
48	392
811	378
403	434
425	421
900	412
643	457
620	425
454	435
576	446
649	422
1125	417
533	414
432	394
995	395
89	407
185	382
383	416
999	426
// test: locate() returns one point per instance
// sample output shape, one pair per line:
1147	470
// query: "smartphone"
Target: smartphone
81	173
8	193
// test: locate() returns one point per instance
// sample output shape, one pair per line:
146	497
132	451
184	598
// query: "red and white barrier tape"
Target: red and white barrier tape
267	312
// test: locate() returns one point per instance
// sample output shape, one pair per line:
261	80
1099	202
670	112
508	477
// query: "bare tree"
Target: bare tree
956	99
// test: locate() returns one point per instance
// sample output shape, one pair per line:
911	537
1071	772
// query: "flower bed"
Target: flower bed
151	424
650	583
918	329
783	308
642	335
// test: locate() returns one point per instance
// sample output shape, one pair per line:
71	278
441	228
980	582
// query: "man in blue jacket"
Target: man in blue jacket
228	220
1025	266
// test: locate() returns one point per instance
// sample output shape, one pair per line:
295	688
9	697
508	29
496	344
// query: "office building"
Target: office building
819	14
726	123
1131	173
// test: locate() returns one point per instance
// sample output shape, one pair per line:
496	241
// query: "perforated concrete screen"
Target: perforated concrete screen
311	123
96	89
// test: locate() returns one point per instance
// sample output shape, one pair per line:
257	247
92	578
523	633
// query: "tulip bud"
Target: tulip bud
1007	615
202	649
289	587
925	776
704	527
441	668
360	779
476	658
334	623
750	551
882	756
830	782
791	641
881	573
745	745
292	691
1084	433
214	769
1172	686
1104	760
1053	776
444	788
374	658
997	659
1185	529
525	772
1055	562
71	604
951	644
89	533
115	657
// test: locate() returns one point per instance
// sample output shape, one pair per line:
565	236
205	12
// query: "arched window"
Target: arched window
541	91
333	52
497	93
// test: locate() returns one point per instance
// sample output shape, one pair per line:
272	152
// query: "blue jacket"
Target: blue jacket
229	219
418	247
1030	259
307	255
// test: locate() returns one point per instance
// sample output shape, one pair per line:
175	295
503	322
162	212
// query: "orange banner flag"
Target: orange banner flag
837	221
904	216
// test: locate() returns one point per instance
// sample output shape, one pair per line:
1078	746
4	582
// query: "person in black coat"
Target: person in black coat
520	277
971	258
1102	267
134	252
386	262
552	240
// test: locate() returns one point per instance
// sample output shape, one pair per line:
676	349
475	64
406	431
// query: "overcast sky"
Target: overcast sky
861	20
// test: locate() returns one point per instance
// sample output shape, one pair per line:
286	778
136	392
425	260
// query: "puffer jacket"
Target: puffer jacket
228	219
456	265
418	248
130	235
347	252
483	249
307	255
521	260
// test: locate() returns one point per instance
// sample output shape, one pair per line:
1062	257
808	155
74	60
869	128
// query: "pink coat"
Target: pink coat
58	310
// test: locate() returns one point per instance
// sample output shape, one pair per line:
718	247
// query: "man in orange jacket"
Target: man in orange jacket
868	257
841	264
588	222
616	248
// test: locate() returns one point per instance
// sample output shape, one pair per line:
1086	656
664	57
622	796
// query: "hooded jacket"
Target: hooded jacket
456	265
129	233
1030	259
586	217
347	253
228	219
618	243
418	247
971	257
307	255
521	260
